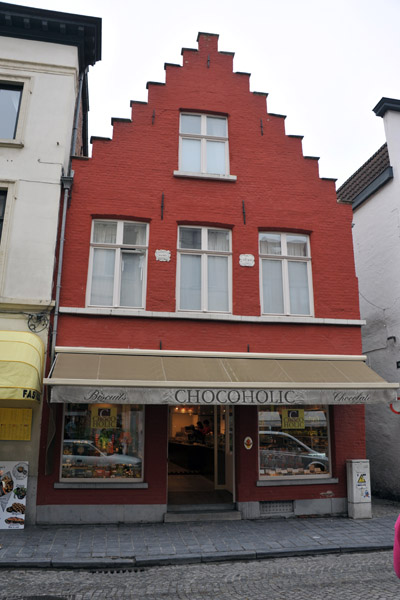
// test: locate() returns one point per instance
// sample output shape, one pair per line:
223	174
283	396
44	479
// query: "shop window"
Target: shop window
118	258
203	145
3	197
102	441
10	101
204	269
285	272
293	442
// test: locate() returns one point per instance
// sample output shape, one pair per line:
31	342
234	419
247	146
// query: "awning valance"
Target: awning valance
21	365
162	377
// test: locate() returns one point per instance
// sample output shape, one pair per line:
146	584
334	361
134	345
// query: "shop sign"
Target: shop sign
13	485
218	396
248	442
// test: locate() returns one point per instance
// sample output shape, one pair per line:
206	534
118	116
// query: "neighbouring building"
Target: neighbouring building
374	193
209	340
44	60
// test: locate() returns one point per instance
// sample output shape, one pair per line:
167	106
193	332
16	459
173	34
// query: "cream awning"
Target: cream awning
166	377
21	365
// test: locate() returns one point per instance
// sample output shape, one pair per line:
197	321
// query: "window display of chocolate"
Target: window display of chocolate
102	441
293	442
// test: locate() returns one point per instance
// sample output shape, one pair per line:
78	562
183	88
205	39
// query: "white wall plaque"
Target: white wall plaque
246	260
163	255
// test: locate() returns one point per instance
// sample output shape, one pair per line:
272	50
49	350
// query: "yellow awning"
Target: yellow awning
113	375
21	365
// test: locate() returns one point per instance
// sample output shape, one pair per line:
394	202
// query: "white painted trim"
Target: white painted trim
126	312
205	354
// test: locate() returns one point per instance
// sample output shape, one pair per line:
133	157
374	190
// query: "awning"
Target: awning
165	377
21	365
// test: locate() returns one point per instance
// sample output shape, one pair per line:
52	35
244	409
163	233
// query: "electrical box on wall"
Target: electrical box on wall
358	489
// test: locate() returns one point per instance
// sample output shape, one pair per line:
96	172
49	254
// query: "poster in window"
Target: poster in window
293	418
13	486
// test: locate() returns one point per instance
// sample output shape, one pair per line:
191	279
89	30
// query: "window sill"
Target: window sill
100	486
11	144
278	482
128	312
212	176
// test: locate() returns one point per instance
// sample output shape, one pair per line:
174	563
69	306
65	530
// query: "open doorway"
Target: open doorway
200	455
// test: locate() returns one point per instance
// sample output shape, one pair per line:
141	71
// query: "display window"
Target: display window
102	441
293	442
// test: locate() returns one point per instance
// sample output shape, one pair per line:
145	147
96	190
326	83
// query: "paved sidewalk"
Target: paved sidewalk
142	545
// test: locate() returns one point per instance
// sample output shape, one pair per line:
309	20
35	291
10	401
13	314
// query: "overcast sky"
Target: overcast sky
324	63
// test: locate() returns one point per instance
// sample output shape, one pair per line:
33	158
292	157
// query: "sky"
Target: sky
324	63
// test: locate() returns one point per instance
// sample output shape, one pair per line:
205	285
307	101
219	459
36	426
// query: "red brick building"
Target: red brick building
209	337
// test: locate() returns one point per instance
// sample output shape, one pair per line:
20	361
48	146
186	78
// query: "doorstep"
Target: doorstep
185	513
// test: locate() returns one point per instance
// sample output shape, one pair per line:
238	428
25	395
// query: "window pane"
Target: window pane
191	156
10	97
216	126
272	286
104	233
270	243
296	245
293	441
218	298
134	234
218	240
102	277
131	279
298	285
3	196
216	157
190	124
189	237
190	292
103	441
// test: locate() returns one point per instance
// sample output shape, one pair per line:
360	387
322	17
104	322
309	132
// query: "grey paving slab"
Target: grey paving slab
174	543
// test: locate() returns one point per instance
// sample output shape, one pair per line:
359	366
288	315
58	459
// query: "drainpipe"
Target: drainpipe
66	181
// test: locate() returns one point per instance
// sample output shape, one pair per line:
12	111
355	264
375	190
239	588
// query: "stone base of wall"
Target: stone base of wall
293	508
56	514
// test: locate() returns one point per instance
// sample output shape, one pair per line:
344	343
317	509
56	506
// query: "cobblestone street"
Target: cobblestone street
327	577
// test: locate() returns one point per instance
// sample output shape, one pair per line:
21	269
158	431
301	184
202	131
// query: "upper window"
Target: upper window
3	197
10	101
204	266
118	264
204	144
285	273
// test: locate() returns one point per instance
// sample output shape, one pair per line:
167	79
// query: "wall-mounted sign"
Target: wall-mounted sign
293	418
15	424
13	484
246	260
163	255
248	442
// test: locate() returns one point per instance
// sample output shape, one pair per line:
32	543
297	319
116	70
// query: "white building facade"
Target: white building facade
44	60
374	191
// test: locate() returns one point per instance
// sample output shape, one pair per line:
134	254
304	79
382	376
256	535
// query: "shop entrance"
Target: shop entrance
200	455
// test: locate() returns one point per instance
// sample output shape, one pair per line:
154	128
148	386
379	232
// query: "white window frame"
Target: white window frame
25	83
204	138
284	259
204	253
118	247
